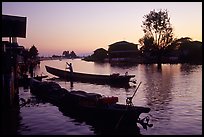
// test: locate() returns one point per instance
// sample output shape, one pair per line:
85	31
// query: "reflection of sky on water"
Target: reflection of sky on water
173	93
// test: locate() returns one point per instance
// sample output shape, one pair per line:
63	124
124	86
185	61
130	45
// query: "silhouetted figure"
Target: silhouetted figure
69	66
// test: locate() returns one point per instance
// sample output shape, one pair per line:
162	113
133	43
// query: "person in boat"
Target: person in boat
69	66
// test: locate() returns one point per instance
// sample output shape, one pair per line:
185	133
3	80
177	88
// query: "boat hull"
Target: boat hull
91	78
82	104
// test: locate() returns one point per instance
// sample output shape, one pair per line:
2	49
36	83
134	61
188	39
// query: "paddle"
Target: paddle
129	99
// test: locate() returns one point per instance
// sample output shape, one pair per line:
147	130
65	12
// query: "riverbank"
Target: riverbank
144	61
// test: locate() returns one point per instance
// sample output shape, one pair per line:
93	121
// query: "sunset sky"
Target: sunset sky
85	26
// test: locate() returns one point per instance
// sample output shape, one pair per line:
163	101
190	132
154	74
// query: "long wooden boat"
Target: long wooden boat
113	79
94	106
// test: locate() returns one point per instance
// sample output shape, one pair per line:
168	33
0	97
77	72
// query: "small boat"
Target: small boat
94	106
113	79
25	80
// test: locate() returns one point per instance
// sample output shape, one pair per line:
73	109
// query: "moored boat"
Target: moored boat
90	105
25	80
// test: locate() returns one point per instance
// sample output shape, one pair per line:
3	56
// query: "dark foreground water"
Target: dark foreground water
174	94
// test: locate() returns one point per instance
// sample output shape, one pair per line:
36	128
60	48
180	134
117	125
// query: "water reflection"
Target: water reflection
10	119
158	89
158	85
98	126
174	94
40	117
123	64
188	68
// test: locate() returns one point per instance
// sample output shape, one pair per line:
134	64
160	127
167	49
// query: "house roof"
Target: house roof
122	46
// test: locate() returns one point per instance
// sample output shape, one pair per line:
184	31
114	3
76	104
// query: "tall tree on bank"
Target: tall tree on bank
157	27
33	52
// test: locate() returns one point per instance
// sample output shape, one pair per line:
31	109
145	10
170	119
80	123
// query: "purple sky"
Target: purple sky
85	26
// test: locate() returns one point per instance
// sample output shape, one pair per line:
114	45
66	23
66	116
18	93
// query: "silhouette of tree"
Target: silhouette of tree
73	55
158	33
100	54
190	51
66	53
25	54
148	45
33	52
157	26
69	55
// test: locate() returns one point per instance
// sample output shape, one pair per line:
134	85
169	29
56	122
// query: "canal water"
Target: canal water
173	93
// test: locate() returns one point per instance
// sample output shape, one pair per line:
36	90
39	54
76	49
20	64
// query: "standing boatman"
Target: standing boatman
69	66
